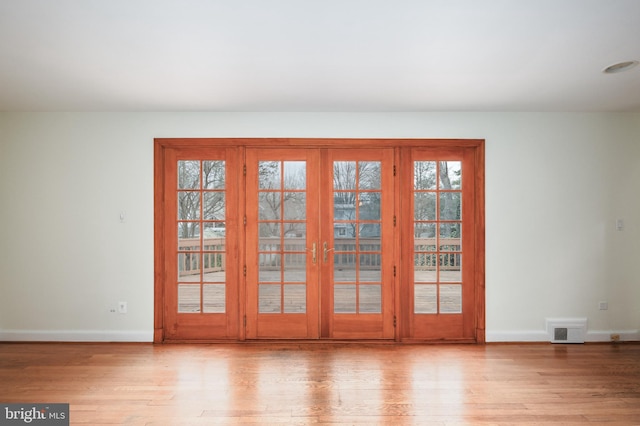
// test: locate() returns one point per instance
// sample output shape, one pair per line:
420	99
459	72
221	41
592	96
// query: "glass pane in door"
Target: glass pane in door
437	213
282	253
201	251
357	237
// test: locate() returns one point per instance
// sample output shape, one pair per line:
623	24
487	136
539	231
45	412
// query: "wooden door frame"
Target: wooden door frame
379	325
438	327
477	145
271	325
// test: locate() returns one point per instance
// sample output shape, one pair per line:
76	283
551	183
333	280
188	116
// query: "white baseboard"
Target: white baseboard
75	336
516	336
605	336
543	336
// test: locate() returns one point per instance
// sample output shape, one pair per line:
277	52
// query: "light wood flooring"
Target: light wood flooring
330	383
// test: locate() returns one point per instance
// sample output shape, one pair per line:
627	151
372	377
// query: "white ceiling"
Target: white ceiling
318	55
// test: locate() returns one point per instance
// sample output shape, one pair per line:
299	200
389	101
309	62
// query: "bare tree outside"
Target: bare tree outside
450	201
430	176
191	180
281	197
348	199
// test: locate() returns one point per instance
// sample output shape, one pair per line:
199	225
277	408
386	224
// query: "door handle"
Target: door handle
314	253
326	250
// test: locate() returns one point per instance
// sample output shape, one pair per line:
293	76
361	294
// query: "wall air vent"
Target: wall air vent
570	330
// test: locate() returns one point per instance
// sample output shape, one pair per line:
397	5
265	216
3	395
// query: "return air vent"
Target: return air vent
567	330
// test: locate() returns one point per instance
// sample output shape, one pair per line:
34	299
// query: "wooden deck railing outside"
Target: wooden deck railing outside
426	257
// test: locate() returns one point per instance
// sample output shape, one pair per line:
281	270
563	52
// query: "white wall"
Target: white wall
555	184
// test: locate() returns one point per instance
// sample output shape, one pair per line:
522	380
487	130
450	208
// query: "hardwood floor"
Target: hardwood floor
303	383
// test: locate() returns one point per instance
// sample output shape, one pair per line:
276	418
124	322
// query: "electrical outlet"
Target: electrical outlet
603	306
122	307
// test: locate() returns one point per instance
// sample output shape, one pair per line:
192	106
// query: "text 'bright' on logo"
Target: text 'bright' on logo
37	414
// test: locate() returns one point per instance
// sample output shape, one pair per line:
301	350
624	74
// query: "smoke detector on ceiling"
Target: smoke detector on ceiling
620	67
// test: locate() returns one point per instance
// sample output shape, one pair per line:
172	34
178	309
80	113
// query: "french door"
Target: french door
198	192
319	243
443	253
319	239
